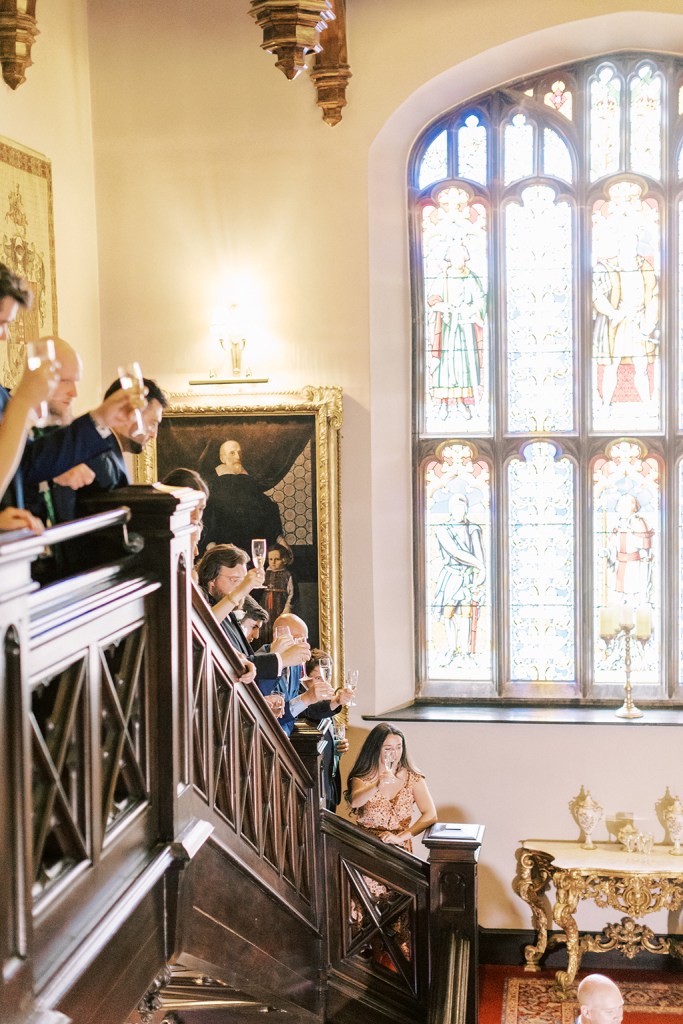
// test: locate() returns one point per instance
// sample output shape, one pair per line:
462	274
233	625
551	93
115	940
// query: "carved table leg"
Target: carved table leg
532	884
568	887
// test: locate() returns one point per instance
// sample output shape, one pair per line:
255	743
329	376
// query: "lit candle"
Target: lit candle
609	624
626	616
644	622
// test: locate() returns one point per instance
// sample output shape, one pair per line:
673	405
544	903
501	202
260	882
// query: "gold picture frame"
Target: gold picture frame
190	435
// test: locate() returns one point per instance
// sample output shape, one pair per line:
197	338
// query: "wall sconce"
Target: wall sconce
228	330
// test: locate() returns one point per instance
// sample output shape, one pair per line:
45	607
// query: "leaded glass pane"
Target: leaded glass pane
680	572
542	566
626	327
434	165
557	161
646	122
680	315
472	150
518	150
538	261
456	282
627	569
458	538
560	99
605	124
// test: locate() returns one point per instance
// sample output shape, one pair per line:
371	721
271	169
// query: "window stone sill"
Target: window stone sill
527	714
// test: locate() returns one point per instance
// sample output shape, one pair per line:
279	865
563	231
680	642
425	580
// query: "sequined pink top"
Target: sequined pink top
390	814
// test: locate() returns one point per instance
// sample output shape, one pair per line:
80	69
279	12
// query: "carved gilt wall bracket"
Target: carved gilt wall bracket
18	30
292	30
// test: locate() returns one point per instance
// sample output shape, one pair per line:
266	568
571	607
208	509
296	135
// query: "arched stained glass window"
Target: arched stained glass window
547	259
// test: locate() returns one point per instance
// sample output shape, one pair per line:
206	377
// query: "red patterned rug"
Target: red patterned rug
532	1001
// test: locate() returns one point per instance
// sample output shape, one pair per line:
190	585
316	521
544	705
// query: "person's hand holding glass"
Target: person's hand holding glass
132	382
41	378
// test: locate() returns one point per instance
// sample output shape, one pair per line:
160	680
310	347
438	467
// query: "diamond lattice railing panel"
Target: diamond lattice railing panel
59	778
123	746
287	828
200	753
301	844
223	696
268	803
380	925
246	742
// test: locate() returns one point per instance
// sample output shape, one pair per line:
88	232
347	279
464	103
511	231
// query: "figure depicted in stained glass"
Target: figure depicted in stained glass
626	317
458	301
460	584
629	555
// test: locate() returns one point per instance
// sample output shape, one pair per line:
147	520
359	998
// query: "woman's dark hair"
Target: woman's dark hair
184	477
368	757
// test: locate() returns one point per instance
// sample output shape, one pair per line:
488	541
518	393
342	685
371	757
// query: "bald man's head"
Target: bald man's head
70	372
600	1000
297	626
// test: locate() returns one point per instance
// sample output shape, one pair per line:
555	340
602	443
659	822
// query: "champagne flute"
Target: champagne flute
389	762
258	552
131	379
325	665
352	685
37	354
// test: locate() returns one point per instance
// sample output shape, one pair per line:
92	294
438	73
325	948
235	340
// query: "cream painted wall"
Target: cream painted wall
51	113
214	172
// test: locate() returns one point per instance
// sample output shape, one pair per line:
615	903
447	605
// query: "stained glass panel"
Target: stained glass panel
456	330
434	165
557	160
680	315
646	122
458	522
541	569
627	568
626	328
560	99
518	152
539	312
472	150
542	340
680	572
605	124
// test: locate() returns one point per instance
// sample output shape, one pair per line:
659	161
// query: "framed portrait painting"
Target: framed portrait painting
270	462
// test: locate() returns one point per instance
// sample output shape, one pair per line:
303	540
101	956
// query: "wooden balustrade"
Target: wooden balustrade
152	811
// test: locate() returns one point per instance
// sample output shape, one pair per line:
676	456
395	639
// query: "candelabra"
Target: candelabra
616	622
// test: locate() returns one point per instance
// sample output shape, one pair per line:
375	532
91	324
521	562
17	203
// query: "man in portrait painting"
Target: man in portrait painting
458	588
237	509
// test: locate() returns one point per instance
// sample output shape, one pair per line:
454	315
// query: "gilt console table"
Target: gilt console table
637	883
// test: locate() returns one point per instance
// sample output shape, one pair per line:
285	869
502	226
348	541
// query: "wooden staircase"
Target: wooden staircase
167	856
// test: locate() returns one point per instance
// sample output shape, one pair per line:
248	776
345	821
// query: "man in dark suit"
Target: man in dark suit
225	581
108	470
48	456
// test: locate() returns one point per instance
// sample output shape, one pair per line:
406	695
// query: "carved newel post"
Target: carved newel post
453	856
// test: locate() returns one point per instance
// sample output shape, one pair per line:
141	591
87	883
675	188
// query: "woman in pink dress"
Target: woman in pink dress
384	789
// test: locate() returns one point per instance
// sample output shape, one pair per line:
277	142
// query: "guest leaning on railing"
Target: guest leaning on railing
384	789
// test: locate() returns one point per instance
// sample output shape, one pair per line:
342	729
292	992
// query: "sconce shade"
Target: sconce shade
291	29
18	30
